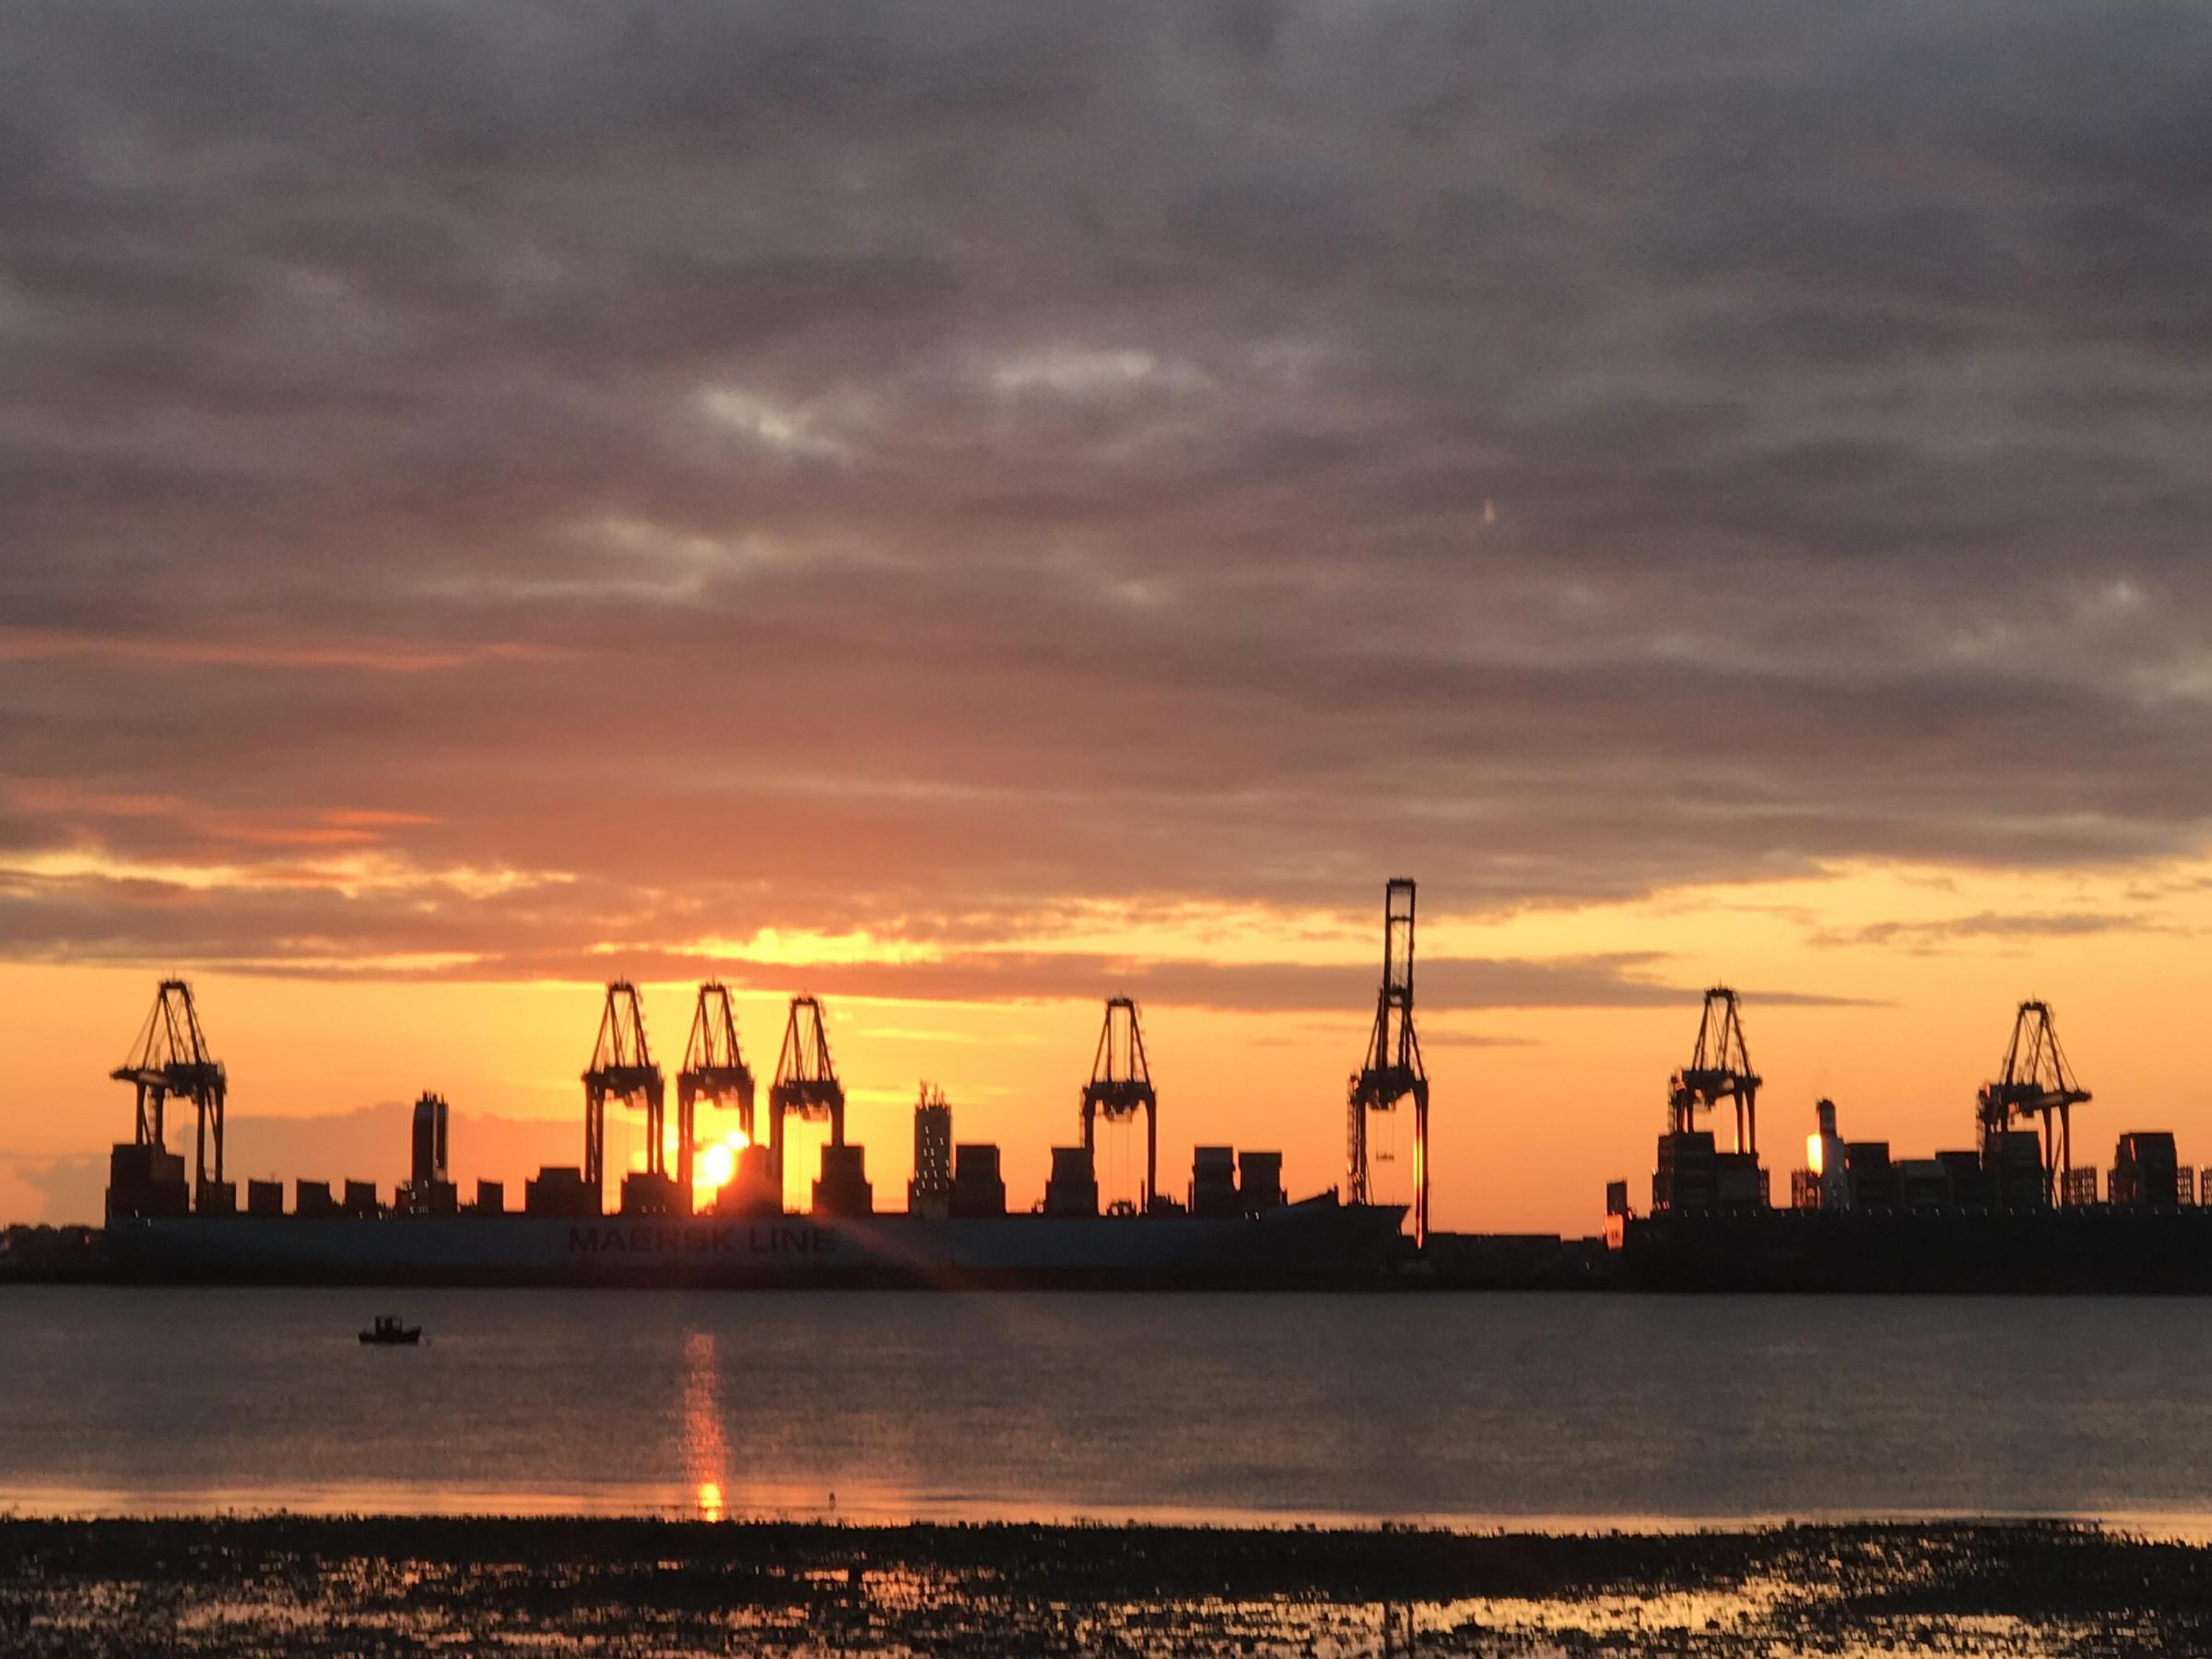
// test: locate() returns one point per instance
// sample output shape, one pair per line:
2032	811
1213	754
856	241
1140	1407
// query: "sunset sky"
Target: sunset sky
967	511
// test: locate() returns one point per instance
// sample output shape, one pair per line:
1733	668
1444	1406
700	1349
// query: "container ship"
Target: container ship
712	1212
2013	1213
1318	1245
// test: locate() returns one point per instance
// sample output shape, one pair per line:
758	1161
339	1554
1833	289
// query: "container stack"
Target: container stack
560	1190
649	1193
751	1188
1074	1187
2145	1174
978	1188
1926	1184
2018	1155
1686	1177
1214	1182
843	1188
1259	1181
145	1181
1873	1184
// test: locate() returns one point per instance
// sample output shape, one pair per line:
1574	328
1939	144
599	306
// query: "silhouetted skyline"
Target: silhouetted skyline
970	510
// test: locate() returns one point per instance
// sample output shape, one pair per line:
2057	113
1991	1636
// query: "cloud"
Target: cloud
1446	984
851	466
422	925
1432	1038
66	1188
1931	937
33	645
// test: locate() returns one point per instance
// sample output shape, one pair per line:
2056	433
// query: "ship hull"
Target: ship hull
1312	1245
2090	1251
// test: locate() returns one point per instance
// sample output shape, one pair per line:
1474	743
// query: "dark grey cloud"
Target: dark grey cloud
928	467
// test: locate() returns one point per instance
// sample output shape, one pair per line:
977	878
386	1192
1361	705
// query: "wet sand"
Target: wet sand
294	1586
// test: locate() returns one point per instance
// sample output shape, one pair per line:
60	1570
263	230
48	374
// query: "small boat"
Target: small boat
388	1331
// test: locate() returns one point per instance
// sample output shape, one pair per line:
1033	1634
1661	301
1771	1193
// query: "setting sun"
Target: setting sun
718	1159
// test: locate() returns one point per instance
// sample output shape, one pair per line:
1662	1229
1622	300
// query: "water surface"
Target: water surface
1466	1409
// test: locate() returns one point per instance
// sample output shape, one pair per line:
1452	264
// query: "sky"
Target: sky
967	511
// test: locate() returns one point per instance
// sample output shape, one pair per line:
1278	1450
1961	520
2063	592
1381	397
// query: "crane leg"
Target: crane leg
1152	1157
685	1117
1420	1170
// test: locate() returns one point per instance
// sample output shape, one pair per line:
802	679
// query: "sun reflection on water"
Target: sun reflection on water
706	1451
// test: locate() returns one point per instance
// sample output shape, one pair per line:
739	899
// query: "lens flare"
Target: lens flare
717	1165
718	1159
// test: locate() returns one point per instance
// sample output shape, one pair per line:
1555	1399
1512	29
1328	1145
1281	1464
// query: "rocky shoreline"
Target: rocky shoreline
300	1587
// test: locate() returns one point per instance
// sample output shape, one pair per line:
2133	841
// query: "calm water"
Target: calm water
1463	1408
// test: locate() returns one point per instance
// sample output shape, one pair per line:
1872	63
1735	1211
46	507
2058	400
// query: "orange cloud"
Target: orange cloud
371	656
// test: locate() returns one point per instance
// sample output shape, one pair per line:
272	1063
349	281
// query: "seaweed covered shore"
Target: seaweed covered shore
297	1587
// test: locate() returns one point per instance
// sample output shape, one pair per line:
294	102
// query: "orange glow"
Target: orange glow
1812	1153
718	1162
1919	1003
717	1166
709	1501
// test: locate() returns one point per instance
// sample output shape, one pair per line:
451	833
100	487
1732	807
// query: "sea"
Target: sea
1579	1411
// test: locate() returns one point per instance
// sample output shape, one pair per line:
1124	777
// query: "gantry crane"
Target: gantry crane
2036	1082
171	1057
1719	1069
1120	1086
714	1071
1392	1070
621	1070
805	1083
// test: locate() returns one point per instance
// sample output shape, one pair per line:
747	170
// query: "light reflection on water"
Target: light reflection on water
1471	1410
706	1453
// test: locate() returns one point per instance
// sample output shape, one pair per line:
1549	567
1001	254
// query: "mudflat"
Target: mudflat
297	1586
